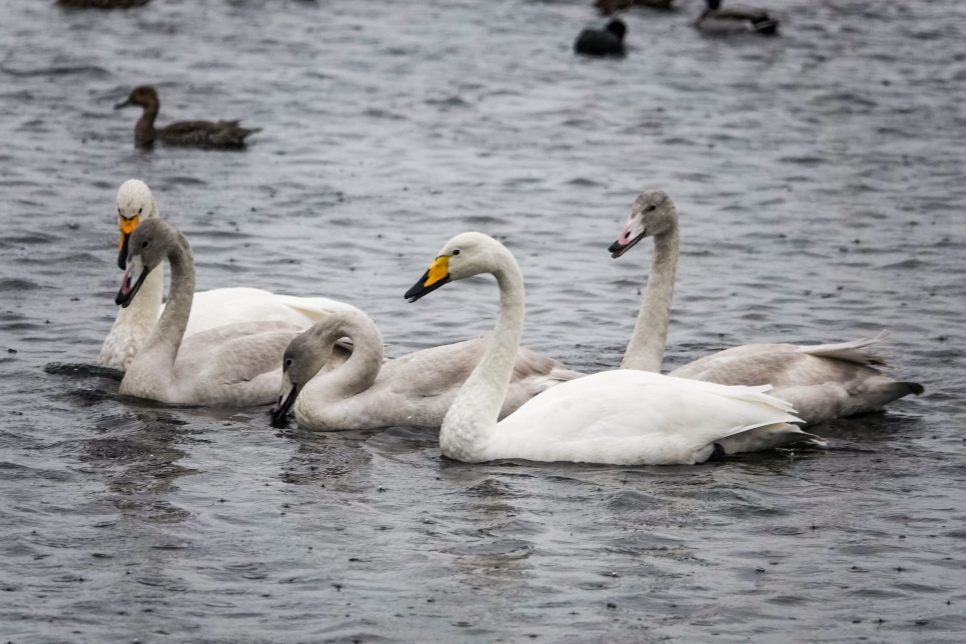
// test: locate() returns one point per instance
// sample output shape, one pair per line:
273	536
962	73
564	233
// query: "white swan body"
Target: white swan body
416	389
234	365
209	309
615	417
821	382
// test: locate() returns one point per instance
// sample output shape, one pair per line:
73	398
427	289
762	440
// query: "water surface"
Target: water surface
820	180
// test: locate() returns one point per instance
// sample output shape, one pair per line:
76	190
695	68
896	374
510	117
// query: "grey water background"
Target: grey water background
820	180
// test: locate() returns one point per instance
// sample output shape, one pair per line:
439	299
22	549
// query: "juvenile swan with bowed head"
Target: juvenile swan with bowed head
236	365
821	382
209	309
416	389
614	417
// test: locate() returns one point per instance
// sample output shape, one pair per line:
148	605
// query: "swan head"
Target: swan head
653	214
304	357
135	203
463	256
148	245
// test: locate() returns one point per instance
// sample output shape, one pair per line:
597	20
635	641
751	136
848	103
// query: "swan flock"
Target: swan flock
490	398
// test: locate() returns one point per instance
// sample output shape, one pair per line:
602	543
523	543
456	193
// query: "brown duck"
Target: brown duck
102	4
204	134
611	6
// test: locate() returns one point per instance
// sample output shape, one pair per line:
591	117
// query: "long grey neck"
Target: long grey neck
645	351
358	373
167	335
473	416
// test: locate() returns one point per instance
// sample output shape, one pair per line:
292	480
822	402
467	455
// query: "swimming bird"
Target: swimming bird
821	382
102	4
235	365
204	134
610	6
416	389
738	19
209	309
608	41
622	417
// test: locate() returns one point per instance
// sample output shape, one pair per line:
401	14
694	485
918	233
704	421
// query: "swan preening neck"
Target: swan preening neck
311	350
473	416
653	215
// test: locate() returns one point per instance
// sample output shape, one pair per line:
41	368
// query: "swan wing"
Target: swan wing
219	307
633	417
235	364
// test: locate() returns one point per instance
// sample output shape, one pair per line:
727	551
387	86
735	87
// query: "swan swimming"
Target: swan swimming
821	382
623	417
235	365
209	309
416	389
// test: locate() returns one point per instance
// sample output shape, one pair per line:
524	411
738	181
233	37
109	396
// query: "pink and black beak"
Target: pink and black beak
625	242
134	276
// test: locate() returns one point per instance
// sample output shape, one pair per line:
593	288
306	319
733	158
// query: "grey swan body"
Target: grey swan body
236	365
821	382
416	389
202	134
209	309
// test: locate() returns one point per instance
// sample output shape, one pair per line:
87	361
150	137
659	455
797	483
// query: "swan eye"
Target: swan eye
288	363
119	211
139	210
651	207
456	252
145	244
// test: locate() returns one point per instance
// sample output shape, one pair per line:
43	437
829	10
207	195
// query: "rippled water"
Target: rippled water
820	178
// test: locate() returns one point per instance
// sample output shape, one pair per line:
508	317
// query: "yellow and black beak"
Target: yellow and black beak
127	227
436	276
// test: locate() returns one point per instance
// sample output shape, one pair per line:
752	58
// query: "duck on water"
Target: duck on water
102	4
205	134
737	19
608	41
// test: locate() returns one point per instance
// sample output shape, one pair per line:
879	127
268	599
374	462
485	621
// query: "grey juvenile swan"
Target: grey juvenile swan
209	309
235	365
822	382
416	389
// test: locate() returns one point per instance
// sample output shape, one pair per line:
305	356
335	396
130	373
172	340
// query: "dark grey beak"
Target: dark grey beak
280	412
124	103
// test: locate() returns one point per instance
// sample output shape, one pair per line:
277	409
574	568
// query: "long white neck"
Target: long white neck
645	351
356	375
472	418
134	324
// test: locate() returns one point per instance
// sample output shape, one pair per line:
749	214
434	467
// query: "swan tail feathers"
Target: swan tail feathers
759	395
850	351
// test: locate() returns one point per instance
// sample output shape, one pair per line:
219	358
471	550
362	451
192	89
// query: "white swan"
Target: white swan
416	389
234	365
210	309
821	382
618	417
